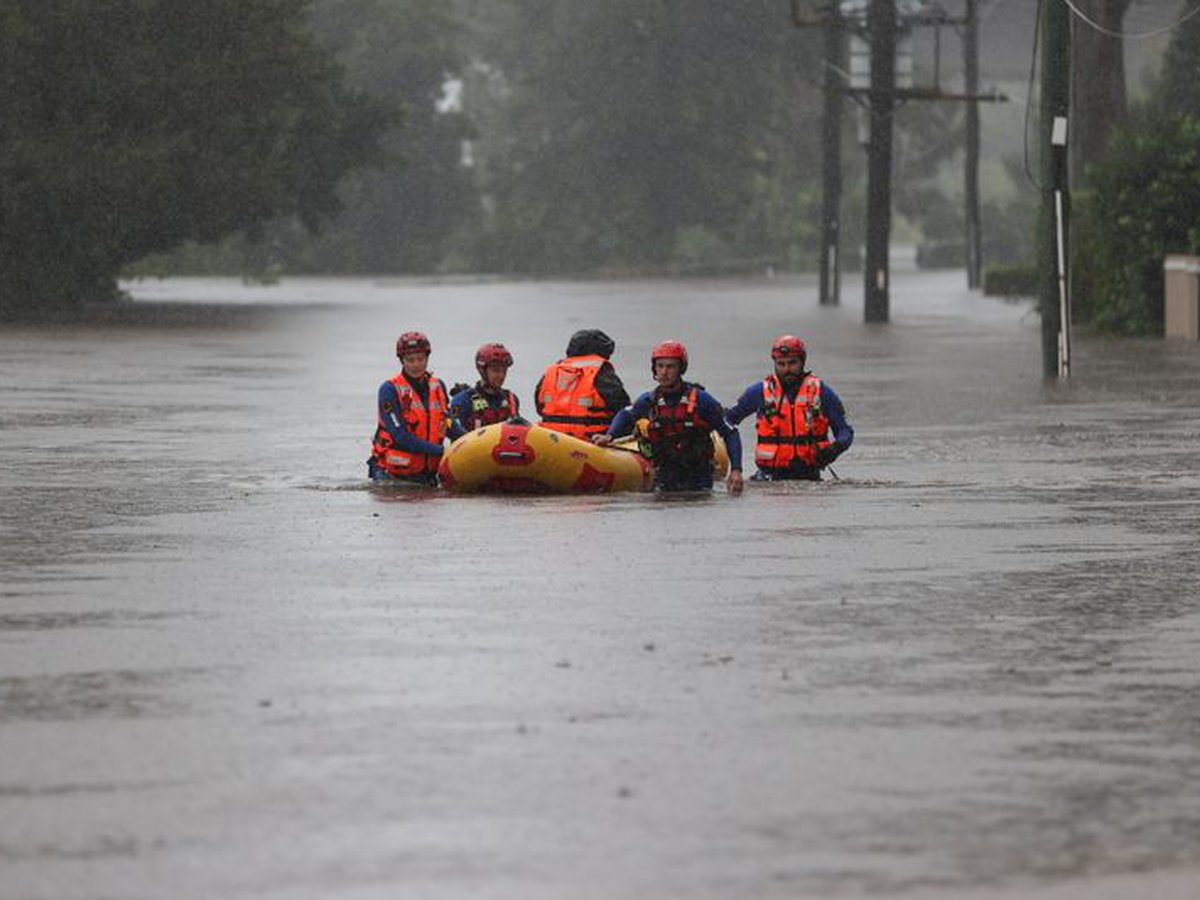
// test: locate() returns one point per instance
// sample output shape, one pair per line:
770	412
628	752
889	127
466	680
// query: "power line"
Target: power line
1124	35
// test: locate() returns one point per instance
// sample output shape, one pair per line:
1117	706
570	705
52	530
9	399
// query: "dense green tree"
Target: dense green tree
631	132
403	215
411	210
1145	202
128	126
928	137
1145	196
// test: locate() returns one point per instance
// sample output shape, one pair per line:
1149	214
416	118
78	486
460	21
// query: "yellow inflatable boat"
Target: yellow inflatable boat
517	457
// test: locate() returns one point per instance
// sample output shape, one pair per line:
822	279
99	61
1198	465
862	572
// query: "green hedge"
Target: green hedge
1016	280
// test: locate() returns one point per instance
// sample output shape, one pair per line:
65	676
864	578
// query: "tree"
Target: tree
1146	193
928	136
129	126
1099	94
1178	91
405	214
628	133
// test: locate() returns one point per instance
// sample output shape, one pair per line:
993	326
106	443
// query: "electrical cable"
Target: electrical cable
1128	35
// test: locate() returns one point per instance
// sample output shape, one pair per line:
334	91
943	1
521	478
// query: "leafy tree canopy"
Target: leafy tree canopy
623	133
1146	193
128	126
404	214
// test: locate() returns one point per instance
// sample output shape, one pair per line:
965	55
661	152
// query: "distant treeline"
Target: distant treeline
523	136
412	136
130	126
552	136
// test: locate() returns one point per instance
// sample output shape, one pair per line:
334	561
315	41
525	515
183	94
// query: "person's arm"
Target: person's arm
459	415
537	395
610	387
623	422
840	428
749	403
842	434
710	410
393	423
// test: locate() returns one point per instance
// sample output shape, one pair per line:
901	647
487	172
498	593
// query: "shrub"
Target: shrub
1147	192
1010	280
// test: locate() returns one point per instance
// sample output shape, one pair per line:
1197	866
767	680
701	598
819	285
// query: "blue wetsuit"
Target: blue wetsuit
751	403
472	408
393	423
675	475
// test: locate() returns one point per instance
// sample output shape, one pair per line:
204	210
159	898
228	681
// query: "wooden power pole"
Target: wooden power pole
831	156
1053	222
971	173
881	27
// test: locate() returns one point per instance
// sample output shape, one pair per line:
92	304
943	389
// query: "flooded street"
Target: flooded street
230	668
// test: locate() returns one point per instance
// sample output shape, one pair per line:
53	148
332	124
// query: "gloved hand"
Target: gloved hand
827	454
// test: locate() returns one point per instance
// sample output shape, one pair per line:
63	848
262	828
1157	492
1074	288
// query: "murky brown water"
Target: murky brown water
228	668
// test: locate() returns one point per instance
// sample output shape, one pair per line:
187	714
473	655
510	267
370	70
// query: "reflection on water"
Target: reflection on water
84	695
403	493
968	662
50	621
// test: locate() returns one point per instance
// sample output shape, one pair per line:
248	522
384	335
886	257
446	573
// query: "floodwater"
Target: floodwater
229	668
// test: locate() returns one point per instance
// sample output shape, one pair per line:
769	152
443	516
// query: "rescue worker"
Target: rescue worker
680	419
580	394
412	409
488	401
801	422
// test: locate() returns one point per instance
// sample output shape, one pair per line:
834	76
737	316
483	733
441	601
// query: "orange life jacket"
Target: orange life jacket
426	422
569	400
791	430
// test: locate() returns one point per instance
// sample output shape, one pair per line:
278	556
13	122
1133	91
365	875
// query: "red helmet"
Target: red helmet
669	350
492	353
789	345
412	342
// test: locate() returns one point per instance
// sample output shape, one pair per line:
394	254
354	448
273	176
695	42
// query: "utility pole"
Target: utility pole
831	156
971	175
880	94
1053	222
881	27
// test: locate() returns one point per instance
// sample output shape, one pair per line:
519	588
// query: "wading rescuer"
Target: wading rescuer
680	418
801	423
580	394
412	418
488	402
